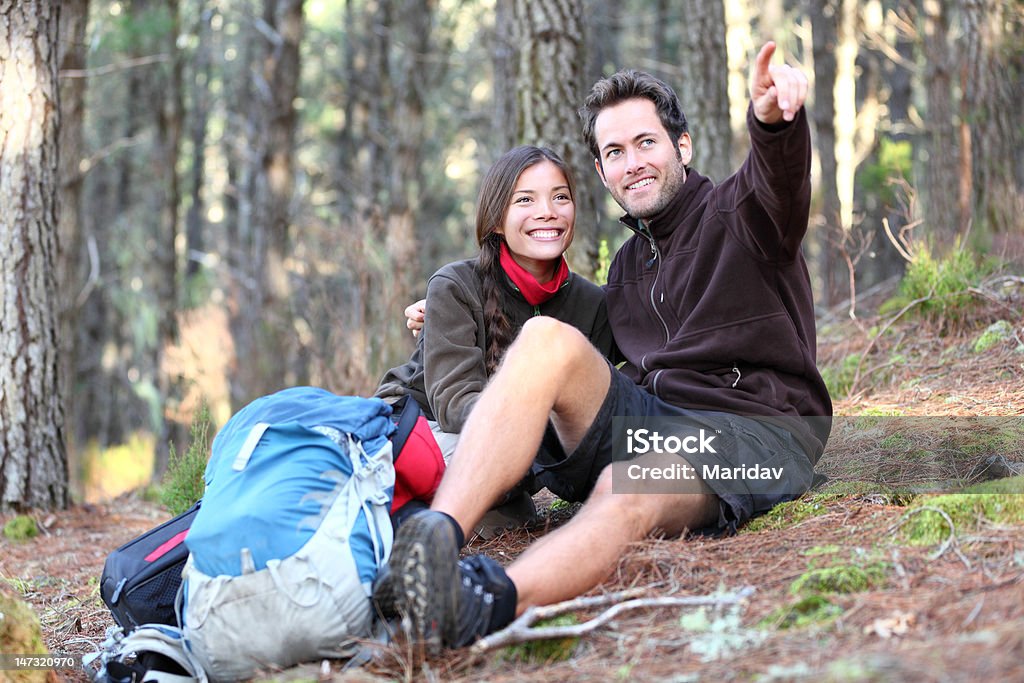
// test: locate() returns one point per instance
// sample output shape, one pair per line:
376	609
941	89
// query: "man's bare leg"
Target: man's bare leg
550	371
578	556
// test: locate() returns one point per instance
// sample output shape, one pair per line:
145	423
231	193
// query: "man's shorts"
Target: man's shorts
749	463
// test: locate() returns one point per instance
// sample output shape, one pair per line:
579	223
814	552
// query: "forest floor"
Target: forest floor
841	590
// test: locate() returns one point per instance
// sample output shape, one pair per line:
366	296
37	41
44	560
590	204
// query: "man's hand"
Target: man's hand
414	314
777	91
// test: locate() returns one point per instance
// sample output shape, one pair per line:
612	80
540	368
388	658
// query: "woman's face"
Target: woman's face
539	223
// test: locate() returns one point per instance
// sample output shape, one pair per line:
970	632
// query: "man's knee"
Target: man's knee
541	334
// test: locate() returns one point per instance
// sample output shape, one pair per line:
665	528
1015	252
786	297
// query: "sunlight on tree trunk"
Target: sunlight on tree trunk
33	463
740	44
845	94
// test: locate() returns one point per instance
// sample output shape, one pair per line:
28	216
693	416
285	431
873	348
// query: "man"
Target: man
711	307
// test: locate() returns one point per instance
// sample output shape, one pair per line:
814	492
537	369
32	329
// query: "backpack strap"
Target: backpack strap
407	412
161	656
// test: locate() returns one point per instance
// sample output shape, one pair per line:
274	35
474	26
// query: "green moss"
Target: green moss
874	411
820	550
843	578
20	634
995	334
814	504
997	502
807	611
544	651
21	528
895	442
785	515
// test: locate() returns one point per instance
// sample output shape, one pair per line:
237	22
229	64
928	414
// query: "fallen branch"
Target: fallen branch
950	540
521	631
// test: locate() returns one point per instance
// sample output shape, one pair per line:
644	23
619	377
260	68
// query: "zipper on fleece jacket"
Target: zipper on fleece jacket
656	261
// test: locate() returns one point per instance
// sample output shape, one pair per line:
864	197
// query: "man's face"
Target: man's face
640	164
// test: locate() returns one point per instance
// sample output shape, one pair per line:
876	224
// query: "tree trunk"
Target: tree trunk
941	203
262	322
195	221
549	87
824	32
992	96
704	64
901	92
504	58
73	259
417	75
33	461
170	116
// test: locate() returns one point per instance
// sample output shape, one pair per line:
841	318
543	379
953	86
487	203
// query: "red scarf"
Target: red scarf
534	292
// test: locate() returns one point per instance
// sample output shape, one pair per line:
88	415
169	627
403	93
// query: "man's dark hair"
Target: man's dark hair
628	85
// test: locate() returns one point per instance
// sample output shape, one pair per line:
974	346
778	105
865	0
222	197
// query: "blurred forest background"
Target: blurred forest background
207	200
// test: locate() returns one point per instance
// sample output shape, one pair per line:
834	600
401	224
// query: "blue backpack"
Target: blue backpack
293	527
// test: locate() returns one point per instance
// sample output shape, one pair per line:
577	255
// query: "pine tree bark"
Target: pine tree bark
262	320
992	97
825	35
195	222
941	205
33	461
73	258
549	88
170	119
704	88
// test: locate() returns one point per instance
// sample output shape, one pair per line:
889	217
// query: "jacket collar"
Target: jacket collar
668	219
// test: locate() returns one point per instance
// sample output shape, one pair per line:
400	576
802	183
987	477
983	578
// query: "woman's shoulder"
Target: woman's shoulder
459	278
458	271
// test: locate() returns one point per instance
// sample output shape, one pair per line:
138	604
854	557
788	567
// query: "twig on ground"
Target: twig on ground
520	630
946	544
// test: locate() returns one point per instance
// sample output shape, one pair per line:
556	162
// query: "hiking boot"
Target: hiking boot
384	593
517	511
422	583
487	600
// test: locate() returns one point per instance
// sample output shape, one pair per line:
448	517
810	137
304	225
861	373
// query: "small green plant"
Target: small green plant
839	377
21	528
808	610
941	284
842	578
184	483
999	332
544	651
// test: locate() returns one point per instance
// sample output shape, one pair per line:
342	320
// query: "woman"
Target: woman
525	221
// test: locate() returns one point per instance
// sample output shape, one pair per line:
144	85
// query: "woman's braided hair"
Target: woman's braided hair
492	206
